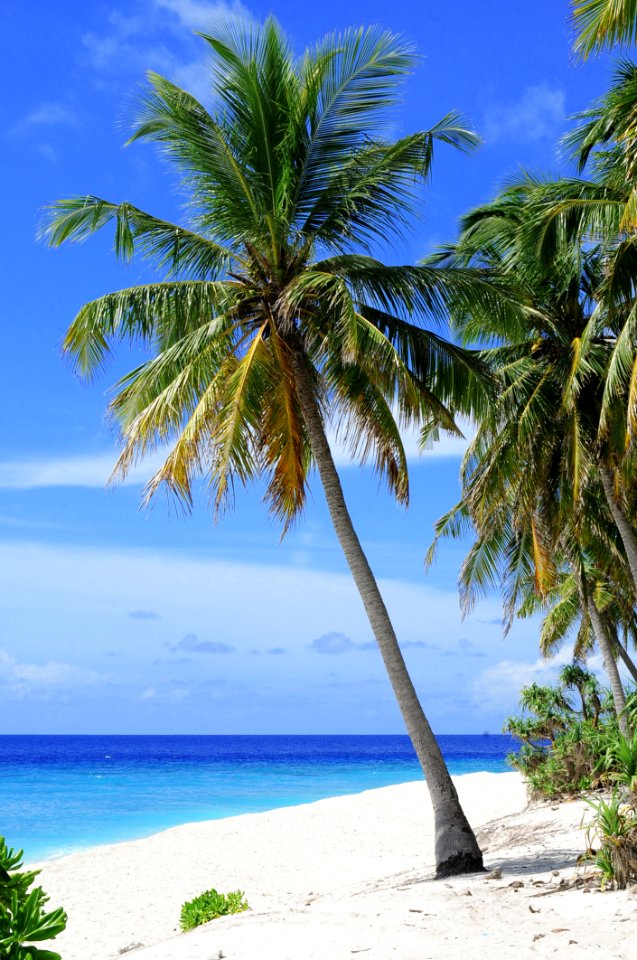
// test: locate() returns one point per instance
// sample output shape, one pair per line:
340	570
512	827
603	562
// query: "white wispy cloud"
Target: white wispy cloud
198	13
48	152
43	120
536	115
90	470
333	643
86	593
117	51
337	643
94	470
158	35
94	589
48	114
22	680
175	695
192	644
502	682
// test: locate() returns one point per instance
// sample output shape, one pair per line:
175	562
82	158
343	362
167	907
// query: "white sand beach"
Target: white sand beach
349	876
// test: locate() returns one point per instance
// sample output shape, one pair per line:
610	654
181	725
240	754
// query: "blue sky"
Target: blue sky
118	620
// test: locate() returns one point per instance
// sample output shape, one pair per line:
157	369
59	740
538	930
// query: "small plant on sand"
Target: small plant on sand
210	905
613	830
619	761
23	919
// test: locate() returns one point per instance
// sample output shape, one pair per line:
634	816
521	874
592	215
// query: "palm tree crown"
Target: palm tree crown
291	181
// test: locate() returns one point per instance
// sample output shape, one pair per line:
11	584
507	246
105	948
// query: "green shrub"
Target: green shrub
209	905
571	742
570	738
23	919
619	760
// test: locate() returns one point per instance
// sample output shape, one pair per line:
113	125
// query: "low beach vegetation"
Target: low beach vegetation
571	740
210	905
572	745
24	919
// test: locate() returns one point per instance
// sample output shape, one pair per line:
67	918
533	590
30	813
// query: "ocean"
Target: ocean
59	794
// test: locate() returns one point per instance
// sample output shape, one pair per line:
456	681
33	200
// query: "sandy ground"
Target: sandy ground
346	877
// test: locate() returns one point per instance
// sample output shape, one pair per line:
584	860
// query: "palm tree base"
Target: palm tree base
459	864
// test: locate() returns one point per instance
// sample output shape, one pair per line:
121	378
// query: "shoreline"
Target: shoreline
103	790
339	876
39	861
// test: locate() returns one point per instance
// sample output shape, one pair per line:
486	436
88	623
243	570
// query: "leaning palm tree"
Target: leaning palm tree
274	320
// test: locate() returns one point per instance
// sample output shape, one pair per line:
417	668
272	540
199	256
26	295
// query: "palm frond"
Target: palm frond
163	312
203	148
349	81
603	24
172	249
286	448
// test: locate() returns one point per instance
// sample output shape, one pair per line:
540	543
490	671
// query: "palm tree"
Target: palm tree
575	677
274	319
533	478
602	211
604	23
564	613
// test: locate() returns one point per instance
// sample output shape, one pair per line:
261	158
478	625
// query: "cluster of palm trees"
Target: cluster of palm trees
548	482
275	319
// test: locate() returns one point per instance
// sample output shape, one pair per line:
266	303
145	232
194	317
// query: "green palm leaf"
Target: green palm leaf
602	24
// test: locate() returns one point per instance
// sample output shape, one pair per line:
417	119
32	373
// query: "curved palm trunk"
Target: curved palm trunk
622	522
622	652
610	666
456	847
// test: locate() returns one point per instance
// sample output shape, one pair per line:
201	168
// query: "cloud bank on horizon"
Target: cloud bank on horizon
144	665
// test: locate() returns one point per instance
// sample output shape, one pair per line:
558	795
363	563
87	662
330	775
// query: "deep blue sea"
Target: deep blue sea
62	793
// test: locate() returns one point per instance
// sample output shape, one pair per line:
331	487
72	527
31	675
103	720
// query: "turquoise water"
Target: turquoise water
59	794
